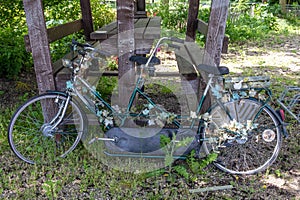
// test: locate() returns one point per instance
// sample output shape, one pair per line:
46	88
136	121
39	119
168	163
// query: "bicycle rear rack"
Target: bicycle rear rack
290	101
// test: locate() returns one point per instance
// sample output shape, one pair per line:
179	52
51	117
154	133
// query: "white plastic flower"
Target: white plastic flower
116	108
193	115
145	112
151	122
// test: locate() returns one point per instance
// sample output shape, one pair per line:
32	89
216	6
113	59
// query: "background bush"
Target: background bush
13	57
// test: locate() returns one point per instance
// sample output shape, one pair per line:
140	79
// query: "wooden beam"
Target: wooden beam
140	9
63	30
39	44
216	32
87	18
202	27
192	20
58	32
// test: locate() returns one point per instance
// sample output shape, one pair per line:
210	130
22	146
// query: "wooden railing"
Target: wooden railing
58	32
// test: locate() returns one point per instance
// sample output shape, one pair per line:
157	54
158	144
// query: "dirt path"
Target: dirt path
282	52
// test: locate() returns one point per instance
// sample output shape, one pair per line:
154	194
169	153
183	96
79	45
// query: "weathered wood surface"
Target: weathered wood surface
87	19
145	31
203	28
126	46
188	56
58	32
39	44
216	32
192	20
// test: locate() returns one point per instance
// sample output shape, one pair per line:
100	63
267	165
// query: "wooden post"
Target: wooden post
40	52
192	22
214	39
126	46
283	5
140	9
191	77
216	32
87	18
39	44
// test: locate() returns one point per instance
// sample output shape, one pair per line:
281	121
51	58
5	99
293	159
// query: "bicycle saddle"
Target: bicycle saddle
143	60
221	70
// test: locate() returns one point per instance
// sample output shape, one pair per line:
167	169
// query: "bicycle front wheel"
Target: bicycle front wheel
243	149
34	138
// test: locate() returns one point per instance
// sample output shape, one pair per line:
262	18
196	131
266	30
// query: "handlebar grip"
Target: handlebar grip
74	42
174	39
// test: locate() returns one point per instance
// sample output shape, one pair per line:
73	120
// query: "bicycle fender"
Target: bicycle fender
56	92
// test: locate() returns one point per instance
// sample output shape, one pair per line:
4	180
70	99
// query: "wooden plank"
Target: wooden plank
147	28
58	32
153	30
143	46
87	19
63	30
105	31
202	27
39	44
192	20
140	27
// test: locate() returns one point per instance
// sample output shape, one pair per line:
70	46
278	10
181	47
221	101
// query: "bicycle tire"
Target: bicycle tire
26	136
247	156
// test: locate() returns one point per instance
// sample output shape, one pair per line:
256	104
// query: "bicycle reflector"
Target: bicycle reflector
280	113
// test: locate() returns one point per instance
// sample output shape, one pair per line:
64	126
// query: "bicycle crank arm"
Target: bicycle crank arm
102	139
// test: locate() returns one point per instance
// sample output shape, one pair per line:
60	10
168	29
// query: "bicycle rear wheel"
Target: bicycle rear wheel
251	151
33	138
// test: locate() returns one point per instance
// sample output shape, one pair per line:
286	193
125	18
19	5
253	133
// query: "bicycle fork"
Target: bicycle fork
48	128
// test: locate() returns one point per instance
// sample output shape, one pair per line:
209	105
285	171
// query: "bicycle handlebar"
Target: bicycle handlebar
88	47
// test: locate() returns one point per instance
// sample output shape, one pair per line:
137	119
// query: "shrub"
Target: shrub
246	27
13	56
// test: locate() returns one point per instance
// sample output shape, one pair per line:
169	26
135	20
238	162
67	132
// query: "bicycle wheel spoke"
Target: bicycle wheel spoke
34	140
244	154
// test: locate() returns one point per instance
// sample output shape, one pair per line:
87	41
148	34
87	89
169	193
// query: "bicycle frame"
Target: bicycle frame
122	116
136	91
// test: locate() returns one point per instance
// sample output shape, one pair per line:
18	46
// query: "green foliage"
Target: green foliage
197	166
13	57
246	27
106	86
174	18
102	13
